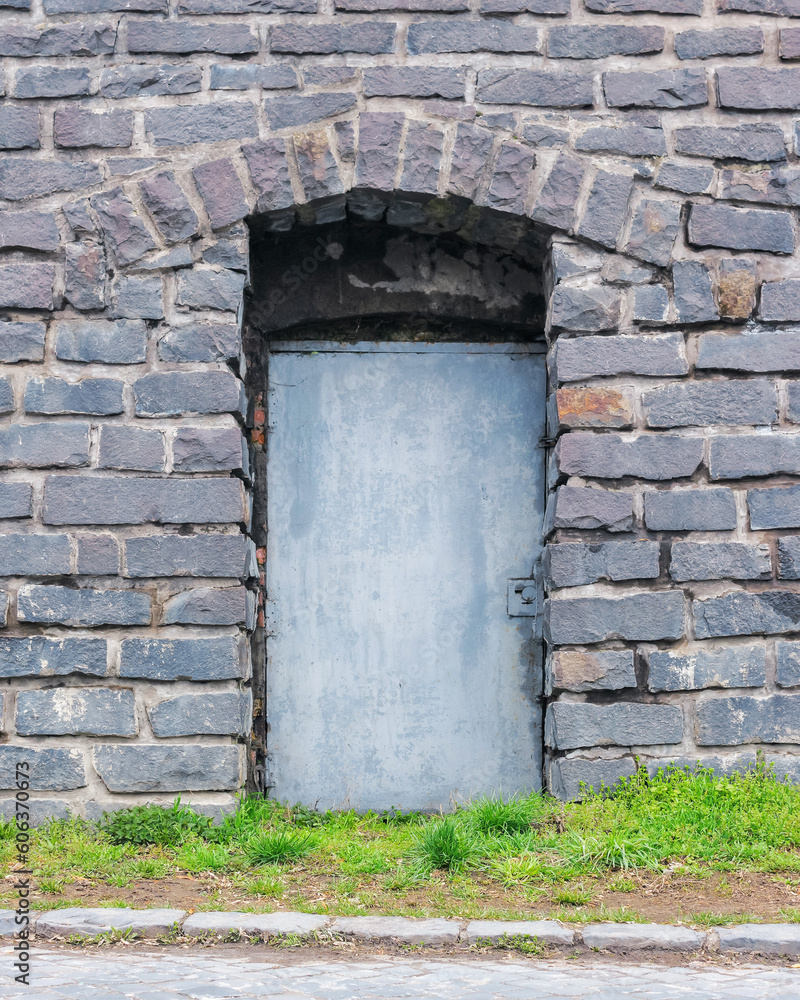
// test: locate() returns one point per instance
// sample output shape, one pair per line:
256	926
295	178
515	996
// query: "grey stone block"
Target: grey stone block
76	712
638	617
38	603
19	128
577	563
122	225
752	88
698	404
654	230
52	769
187	125
98	555
589	670
16	500
171	394
494	931
571	777
294	112
218	658
727	560
623	354
89	921
594	41
264	925
687	180
694	298
612	456
50	81
741	228
150	81
786	767
764	939
165	200
6	396
671	88
76	128
34	555
131	448
24	177
471	36
720	42
21	342
511	178
27	286
24	41
768	612
694	509
207	289
582	507
171	768
758	142
597	406
750	352
221	191
278	77
133	500
63	445
122	341
85	275
182	37
372	37
793	398
232	254
656	937
223	713
737	720
570	724
207	606
89	395
651	304
593	308
422	158
379	151
201	449
47	656
406	930
29	231
702	667
606	208
138	298
633	140
555	203
195	555
539	88
776	508
40	810
734	456
780	301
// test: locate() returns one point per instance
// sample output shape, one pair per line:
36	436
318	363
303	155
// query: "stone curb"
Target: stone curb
766	939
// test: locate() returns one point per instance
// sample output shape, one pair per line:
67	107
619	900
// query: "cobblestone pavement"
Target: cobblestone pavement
177	975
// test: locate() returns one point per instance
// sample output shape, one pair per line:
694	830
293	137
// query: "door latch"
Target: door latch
523	598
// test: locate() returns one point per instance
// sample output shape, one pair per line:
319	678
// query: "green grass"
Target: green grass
491	857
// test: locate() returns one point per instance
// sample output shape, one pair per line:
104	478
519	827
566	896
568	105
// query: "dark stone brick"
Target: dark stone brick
757	142
6	396
589	670
651	304
121	342
180	37
200	342
571	779
775	508
605	210
29	231
56	769
688	180
89	395
76	127
735	456
219	658
741	229
207	606
76	712
555	204
122	225
207	449
365	36
172	768
34	555
80	218
85	275
579	563
653	231
471	36
592	308
187	125
230	254
633	140
269	172
769	612
612	456
25	41
789	558
511	179
248	6
319	172
19	128
65	606
669	88
639	617
98	555
139	500
470	156
645	6
221	191
750	352
327	76
50	81
539	88
131	448
98	6
570	724
789	45
769	187
39	445
422	158
720	42
21	342
173	215
793	408
780	301
594	41
16	500
223	713
788	663
413	81
245	77
170	394
752	88
210	555
552	7
27	286
291	112
693	295
138	298
733	721
148	80
22	177
697	404
732	667
626	354
726	560
582	507
545	136
206	289
378	150
414	5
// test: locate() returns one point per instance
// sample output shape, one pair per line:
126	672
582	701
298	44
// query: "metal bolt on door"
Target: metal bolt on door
405	494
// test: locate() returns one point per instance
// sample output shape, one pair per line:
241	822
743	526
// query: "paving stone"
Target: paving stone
511	179
774	508
589	670
206	289
569	724
741	229
546	931
780	301
594	41
433	931
575	564
76	128
365	36
87	607
76	712
634	140
758	142
98	555
50	81
622	937
111	341
612	456
279	77
24	177
581	507
624	354
719	561
642	617
138	298
255	924
736	288
694	509
706	667
89	921
681	88
217	658
168	768
183	37
687	180
698	404
789	557
29	230
737	720
766	939
768	612
72	39
585	309
223	713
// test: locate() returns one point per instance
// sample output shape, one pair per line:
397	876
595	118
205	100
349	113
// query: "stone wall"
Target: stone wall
641	151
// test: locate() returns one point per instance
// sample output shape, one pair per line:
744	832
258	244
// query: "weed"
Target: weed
514	942
153	824
201	857
441	844
722	919
577	896
622	884
791	913
276	846
51	885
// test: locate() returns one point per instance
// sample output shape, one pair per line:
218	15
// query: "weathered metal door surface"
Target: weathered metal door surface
405	500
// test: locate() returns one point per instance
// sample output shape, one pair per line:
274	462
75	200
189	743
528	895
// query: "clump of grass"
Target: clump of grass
443	844
573	896
494	815
201	857
278	846
622	884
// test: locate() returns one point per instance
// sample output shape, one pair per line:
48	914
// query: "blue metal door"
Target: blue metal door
405	503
